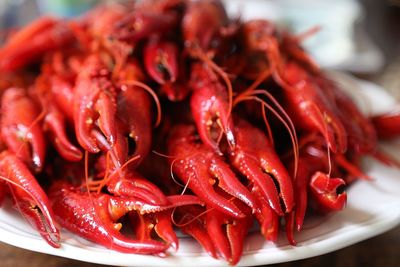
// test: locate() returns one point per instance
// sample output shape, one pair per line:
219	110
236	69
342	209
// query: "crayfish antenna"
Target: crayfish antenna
153	95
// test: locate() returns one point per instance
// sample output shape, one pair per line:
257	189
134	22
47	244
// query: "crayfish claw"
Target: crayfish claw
134	113
21	129
201	184
158	222
107	108
290	219
219	234
257	160
29	198
125	183
192	223
83	127
205	172
34	216
123	244
75	208
55	123
250	168
301	195
210	107
161	60
228	234
266	217
94	106
133	185
228	182
165	231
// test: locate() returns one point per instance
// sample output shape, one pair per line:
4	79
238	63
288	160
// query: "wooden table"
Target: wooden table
383	23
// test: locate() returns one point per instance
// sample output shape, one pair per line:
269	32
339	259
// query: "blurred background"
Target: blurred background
360	37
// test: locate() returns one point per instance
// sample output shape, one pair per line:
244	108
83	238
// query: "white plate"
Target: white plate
373	208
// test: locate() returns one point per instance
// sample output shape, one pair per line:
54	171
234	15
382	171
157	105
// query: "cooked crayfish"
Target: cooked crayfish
249	128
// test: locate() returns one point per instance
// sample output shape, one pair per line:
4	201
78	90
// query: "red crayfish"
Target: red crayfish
103	114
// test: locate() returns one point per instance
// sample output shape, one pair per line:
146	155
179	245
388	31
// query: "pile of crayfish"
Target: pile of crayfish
164	115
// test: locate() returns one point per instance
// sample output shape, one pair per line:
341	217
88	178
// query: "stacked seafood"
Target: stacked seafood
165	115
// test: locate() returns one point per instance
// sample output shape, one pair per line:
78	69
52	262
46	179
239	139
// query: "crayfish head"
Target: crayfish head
258	34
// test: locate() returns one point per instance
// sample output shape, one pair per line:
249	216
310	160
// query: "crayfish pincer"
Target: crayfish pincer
95	106
210	107
29	198
20	128
94	216
257	160
200	167
221	235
